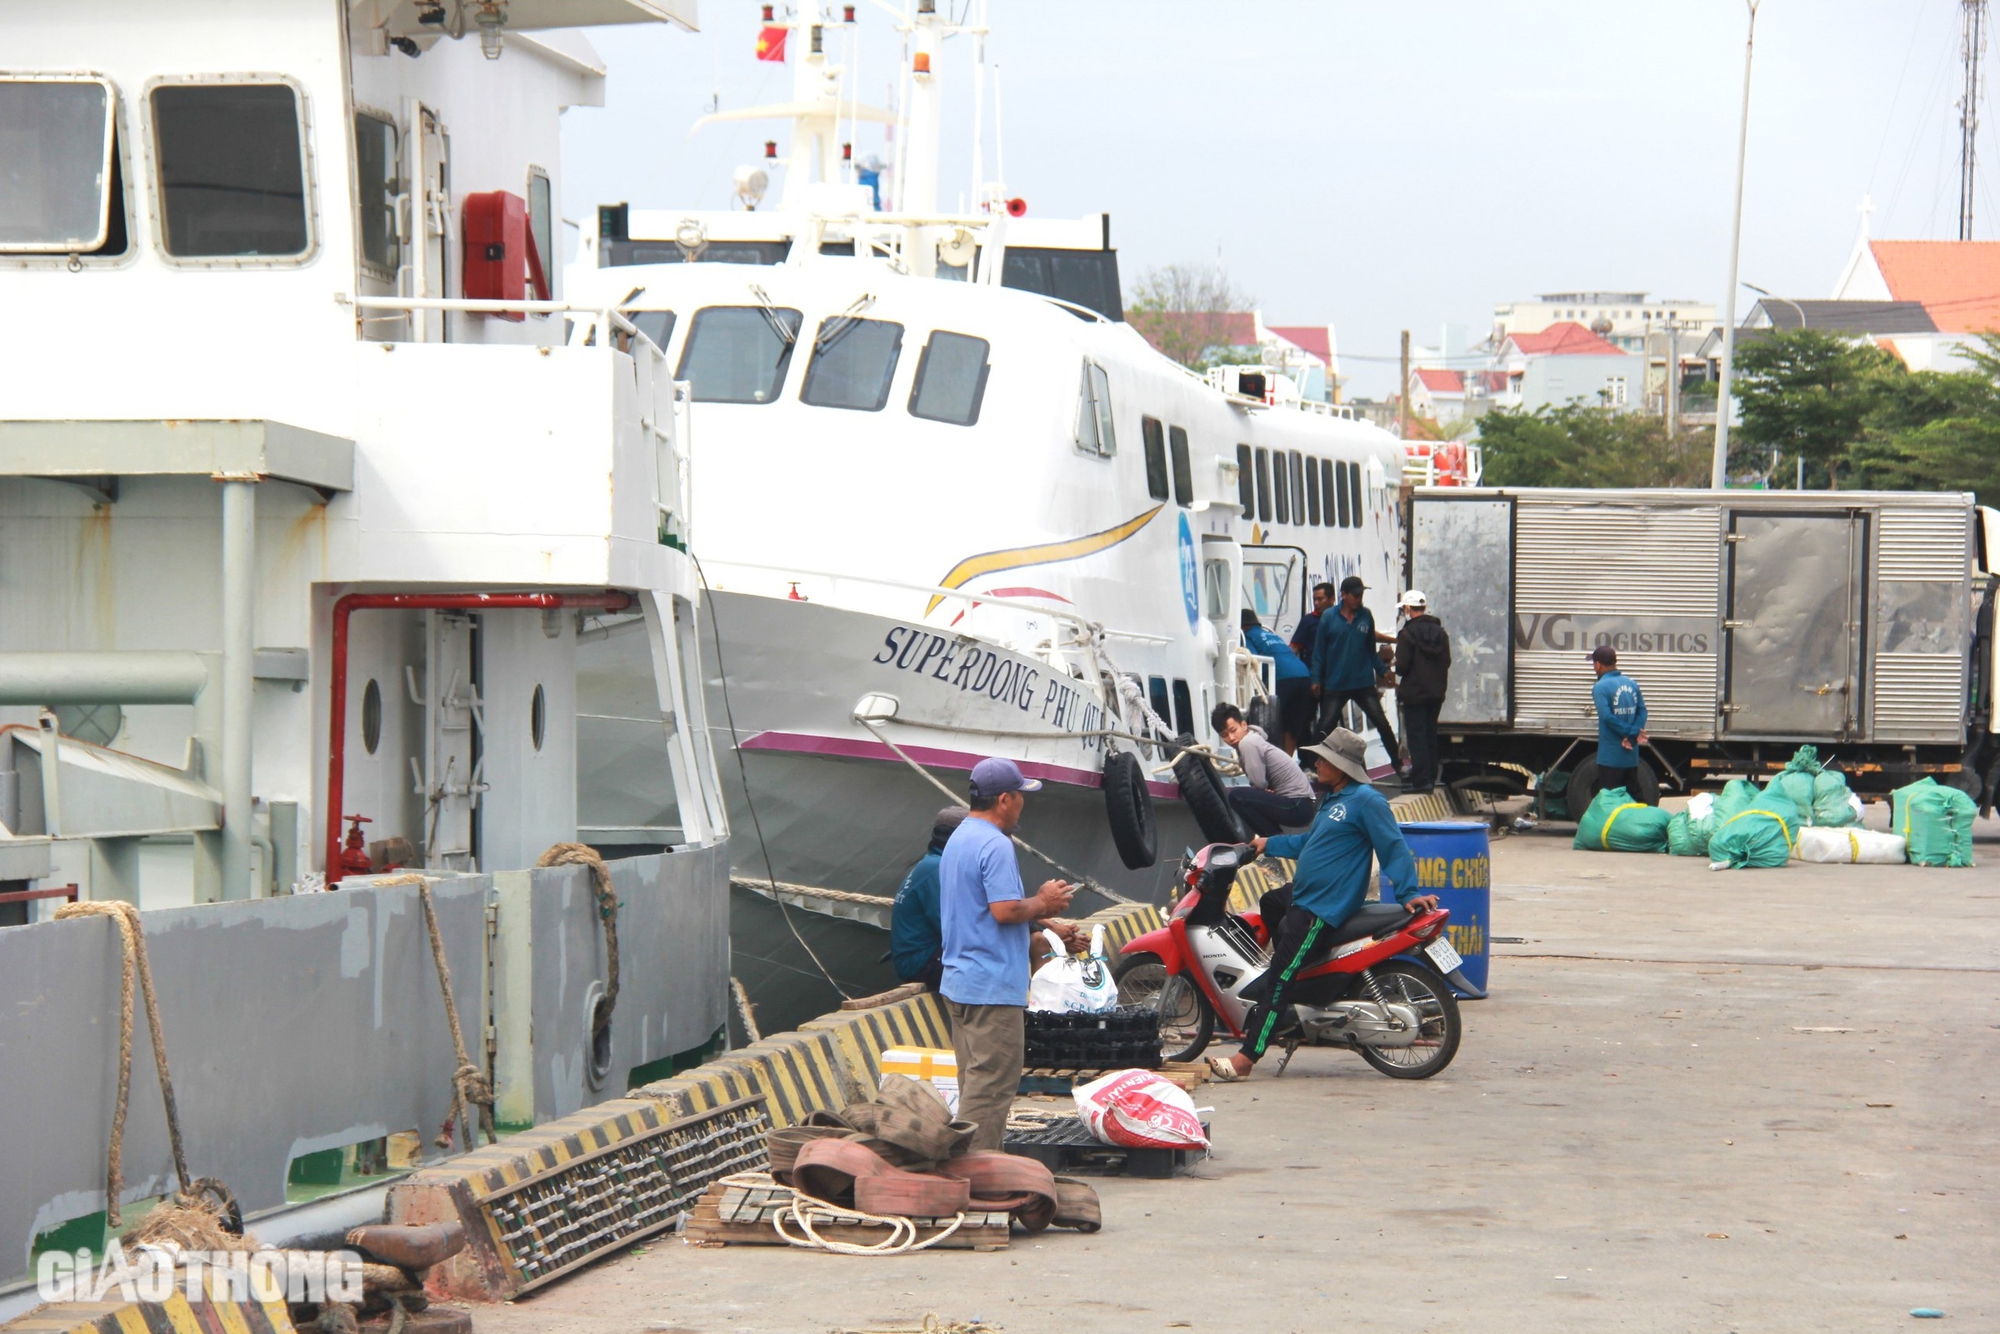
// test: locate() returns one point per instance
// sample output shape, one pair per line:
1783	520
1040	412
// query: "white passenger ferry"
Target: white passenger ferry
953	505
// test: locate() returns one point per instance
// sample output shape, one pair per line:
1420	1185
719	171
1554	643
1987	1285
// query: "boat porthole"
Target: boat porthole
371	716
538	717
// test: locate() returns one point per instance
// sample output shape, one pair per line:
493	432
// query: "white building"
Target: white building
1622	318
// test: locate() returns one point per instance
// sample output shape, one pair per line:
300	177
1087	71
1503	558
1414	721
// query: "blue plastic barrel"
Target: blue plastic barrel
1455	862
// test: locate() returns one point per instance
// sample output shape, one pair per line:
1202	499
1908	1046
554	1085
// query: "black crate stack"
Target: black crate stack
1128	1038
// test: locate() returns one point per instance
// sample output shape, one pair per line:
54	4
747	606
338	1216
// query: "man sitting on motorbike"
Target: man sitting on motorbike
1354	828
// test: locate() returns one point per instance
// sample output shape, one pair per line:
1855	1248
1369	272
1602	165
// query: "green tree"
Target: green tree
1805	395
1589	447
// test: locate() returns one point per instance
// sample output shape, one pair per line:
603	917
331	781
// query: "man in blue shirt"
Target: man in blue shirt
1621	722
1307	634
1346	666
916	940
986	920
1294	683
1353	829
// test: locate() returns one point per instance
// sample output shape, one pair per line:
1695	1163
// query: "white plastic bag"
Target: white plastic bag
1139	1110
1701	805
1074	986
1851	846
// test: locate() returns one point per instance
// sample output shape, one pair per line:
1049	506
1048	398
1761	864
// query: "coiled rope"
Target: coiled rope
806	1210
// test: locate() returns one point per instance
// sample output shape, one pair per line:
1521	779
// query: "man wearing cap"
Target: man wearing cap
1621	722
1346	666
916	941
1354	829
986	920
1423	670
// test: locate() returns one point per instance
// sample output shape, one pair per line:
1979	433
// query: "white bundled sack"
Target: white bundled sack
1074	986
1139	1110
1850	846
1701	805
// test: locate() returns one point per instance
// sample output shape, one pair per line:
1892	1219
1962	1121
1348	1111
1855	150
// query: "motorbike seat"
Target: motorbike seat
1369	919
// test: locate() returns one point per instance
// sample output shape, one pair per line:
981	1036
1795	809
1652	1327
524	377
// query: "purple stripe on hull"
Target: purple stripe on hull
853	748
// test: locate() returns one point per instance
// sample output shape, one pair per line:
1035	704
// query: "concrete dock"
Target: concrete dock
1731	1101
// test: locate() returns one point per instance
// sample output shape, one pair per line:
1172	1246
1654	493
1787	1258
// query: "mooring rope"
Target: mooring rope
805	1210
582	854
133	961
469	1085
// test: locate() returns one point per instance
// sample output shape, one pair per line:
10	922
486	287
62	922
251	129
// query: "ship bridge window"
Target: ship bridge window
1298	487
1246	482
1312	490
951	379
1341	471
739	354
1264	485
1093	413
657	325
852	363
58	164
375	176
1327	509
1354	493
1155	437
1177	443
232	176
1280	490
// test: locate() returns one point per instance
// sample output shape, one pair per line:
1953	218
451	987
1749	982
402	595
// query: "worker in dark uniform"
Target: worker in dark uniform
1621	722
916	940
1347	668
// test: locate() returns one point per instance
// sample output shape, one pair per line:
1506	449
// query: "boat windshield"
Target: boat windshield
739	354
55	164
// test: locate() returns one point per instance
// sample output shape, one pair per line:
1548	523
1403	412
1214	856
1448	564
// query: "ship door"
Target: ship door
1274	586
430	218
453	768
1792	623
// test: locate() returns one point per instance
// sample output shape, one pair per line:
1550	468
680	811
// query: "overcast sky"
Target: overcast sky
1385	166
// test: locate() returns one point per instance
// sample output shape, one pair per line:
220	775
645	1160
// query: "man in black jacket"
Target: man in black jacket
1423	666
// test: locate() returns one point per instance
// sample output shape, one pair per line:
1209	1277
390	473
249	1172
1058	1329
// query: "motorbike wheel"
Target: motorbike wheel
1406	983
1187	1022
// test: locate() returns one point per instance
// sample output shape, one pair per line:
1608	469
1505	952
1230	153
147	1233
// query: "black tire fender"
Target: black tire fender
1202	790
1128	807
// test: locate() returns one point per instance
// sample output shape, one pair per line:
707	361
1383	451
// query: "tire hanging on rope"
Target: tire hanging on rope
1128	806
1207	799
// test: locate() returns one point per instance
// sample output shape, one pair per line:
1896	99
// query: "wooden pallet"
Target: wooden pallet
1187	1074
740	1215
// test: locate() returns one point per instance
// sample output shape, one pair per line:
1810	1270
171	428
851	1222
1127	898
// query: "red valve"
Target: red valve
353	853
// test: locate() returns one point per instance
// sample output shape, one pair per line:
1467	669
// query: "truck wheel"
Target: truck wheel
1204	794
1584	785
1128	805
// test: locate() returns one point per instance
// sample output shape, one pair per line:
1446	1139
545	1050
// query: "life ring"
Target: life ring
1128	806
1202	790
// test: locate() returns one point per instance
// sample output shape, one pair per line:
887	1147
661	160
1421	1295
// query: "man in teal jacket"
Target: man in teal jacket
1353	829
1621	722
1346	666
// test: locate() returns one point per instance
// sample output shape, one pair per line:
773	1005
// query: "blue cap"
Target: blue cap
992	777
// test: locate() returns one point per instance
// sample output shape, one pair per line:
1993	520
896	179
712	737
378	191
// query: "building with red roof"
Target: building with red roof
1956	282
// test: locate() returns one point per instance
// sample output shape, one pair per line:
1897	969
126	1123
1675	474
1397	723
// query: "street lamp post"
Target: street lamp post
1718	471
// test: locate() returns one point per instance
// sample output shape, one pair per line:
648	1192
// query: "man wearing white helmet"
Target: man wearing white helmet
1423	670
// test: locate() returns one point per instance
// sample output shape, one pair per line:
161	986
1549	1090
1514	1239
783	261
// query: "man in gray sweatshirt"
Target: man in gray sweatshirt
1279	796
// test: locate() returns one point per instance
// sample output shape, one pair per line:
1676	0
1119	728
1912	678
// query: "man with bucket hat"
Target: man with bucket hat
986	919
1354	828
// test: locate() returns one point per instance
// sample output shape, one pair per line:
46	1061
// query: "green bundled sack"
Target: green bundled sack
1760	835
1831	803
1687	837
1936	821
1616	823
1739	795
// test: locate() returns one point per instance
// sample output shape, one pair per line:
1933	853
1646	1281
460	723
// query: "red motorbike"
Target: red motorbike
1379	984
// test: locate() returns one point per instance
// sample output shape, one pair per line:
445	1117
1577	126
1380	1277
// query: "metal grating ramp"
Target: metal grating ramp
557	1220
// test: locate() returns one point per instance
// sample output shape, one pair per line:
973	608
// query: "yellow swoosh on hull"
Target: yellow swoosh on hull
993	562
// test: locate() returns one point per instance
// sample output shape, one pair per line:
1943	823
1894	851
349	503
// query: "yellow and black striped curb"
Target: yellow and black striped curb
452	1193
175	1315
1417	806
861	1036
795	1073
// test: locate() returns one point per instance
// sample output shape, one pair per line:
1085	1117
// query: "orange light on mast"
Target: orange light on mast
921	64
770	148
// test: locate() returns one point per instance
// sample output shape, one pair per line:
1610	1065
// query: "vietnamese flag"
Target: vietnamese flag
771	43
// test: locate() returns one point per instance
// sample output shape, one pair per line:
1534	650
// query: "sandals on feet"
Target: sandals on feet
1224	1069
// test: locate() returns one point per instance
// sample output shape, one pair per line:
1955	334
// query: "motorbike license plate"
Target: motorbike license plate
1443	955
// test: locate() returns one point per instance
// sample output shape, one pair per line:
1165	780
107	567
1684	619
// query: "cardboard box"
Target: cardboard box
936	1066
